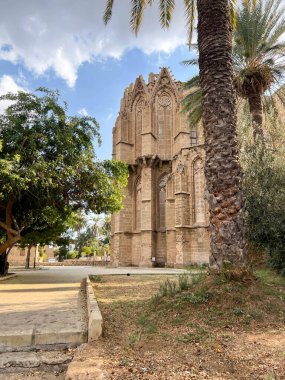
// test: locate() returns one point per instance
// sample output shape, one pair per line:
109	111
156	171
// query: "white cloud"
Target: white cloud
83	112
109	116
61	35
7	84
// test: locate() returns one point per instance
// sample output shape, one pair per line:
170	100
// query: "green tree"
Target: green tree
264	187
85	238
105	231
51	234
48	167
222	169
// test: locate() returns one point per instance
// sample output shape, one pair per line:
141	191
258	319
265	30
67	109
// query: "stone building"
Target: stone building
18	255
164	220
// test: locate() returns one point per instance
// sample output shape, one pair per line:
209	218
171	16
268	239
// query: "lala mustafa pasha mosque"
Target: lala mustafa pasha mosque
164	220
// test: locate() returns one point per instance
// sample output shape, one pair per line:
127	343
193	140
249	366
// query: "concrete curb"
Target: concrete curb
8	276
95	320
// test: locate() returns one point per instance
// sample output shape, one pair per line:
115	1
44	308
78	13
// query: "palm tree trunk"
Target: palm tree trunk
222	169
256	111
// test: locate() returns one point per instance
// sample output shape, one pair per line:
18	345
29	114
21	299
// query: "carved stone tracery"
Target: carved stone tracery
164	101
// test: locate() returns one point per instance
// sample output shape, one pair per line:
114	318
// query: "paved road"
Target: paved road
47	306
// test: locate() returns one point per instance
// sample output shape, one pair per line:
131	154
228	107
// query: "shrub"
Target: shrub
72	255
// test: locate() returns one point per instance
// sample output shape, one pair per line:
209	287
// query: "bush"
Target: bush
72	255
87	251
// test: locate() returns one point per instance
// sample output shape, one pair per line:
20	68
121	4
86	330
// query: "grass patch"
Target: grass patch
221	300
164	322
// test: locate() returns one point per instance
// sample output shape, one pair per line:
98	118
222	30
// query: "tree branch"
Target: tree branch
10	230
9	243
9	208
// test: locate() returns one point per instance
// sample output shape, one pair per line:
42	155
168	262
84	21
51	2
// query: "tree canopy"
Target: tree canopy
48	168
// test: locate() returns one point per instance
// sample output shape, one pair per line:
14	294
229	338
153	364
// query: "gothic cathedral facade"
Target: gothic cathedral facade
164	220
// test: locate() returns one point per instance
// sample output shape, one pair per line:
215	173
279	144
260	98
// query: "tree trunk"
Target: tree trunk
27	266
13	236
256	111
222	169
3	264
36	255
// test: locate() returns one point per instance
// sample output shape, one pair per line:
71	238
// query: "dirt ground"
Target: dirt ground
215	329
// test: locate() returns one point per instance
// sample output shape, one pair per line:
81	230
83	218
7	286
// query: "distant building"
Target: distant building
164	220
18	255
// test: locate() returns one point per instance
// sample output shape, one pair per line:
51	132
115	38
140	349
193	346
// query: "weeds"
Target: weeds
134	338
197	336
196	298
169	288
256	315
95	278
238	311
185	282
147	325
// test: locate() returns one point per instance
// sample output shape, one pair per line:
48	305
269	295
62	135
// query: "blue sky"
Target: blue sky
63	44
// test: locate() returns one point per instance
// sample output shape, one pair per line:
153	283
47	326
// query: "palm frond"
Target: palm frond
108	11
192	103
258	51
193	82
193	108
189	62
166	8
138	7
249	3
190	12
280	94
233	13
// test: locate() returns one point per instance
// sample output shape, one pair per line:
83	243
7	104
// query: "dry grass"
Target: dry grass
213	329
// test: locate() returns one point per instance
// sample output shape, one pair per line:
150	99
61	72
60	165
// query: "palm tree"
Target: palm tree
259	64
259	56
222	169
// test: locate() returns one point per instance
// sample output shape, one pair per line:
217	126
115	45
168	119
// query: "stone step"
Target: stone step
58	334
16	360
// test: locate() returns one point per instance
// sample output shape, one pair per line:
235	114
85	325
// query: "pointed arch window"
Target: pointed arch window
162	202
199	191
138	200
139	120
164	123
193	136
